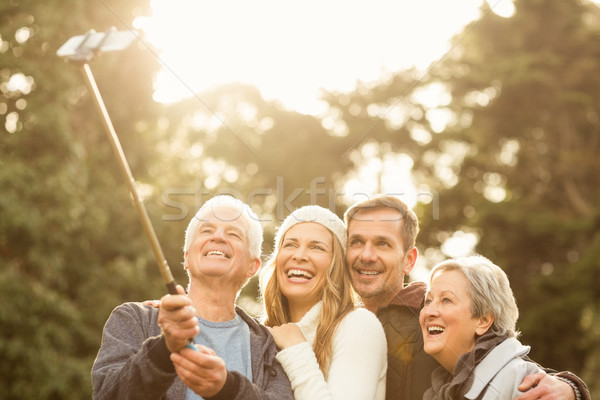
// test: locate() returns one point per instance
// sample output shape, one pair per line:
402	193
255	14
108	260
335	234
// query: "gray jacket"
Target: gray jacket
497	376
133	362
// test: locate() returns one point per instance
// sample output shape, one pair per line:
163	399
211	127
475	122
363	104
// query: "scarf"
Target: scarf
447	386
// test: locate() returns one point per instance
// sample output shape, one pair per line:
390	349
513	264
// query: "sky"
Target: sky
292	50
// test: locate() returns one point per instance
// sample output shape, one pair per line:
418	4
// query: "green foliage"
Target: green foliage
516	165
71	246
540	99
537	96
45	341
230	140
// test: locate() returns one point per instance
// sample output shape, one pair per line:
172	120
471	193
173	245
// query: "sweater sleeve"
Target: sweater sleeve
574	379
577	381
357	368
131	364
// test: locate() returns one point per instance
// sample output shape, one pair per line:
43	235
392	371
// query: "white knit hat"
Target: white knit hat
316	214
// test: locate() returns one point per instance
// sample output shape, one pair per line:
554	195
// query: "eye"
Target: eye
427	301
289	245
446	300
383	244
235	234
317	247
355	242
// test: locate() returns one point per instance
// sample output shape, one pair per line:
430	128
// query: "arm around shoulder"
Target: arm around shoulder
562	385
579	387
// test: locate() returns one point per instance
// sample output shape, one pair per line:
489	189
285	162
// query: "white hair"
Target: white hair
489	290
255	231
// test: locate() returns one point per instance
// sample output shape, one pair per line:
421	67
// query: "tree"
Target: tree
510	147
230	140
507	150
527	86
71	247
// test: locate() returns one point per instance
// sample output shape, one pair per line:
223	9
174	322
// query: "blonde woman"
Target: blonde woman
329	348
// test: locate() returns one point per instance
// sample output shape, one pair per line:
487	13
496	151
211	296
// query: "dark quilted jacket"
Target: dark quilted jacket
409	368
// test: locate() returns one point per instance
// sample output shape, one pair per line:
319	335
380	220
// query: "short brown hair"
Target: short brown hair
410	227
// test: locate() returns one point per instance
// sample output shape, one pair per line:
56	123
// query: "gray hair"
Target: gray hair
489	290
255	231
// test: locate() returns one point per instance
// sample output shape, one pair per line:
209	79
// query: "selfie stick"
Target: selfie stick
81	50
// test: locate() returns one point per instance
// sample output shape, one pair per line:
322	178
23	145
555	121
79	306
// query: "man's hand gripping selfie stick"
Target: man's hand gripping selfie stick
81	50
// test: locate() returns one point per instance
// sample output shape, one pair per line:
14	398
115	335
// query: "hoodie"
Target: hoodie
133	362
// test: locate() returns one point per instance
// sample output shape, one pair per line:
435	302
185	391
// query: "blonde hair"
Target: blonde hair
338	300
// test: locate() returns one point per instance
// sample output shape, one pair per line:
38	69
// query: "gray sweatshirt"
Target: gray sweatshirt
133	362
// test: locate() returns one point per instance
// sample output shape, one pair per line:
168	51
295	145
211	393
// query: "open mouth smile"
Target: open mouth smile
299	274
216	253
367	272
435	330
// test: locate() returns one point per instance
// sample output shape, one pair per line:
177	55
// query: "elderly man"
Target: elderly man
381	251
146	351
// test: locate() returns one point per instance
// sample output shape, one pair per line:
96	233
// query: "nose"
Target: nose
368	255
218	235
300	253
429	309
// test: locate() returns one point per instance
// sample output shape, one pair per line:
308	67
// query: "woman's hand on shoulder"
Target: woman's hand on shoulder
287	335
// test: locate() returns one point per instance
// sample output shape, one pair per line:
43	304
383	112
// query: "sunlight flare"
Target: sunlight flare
292	51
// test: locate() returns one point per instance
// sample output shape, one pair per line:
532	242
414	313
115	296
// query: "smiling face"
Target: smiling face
301	265
447	325
220	249
376	255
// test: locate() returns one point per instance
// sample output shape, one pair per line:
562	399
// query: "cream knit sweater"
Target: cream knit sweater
358	365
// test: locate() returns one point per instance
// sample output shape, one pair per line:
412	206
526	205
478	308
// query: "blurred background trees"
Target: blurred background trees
69	242
500	140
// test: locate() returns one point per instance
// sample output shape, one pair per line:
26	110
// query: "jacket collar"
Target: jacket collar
411	296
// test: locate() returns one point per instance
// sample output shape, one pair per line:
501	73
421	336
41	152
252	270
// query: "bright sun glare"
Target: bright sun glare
292	50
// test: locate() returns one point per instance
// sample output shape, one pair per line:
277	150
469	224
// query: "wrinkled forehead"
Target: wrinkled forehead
224	214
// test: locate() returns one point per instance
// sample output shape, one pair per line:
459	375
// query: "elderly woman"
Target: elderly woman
329	348
469	326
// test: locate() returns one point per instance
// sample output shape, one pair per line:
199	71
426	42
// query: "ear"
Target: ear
484	324
185	261
411	259
254	266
